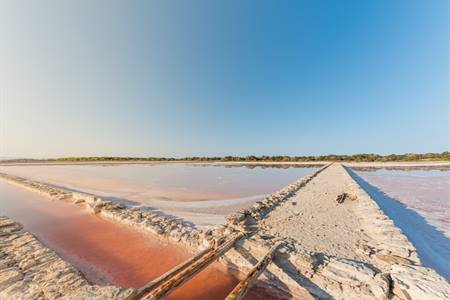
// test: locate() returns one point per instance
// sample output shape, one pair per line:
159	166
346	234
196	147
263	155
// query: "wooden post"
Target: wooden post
186	273
175	270
242	288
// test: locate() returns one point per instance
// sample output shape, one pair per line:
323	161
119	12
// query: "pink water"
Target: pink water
174	181
418	201
425	191
201	194
110	253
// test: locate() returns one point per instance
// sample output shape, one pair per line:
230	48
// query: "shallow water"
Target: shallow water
426	191
174	181
418	201
107	252
200	193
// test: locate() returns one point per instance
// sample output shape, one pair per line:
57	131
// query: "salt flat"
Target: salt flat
201	193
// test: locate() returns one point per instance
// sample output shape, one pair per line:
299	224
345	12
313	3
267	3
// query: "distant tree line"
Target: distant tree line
444	156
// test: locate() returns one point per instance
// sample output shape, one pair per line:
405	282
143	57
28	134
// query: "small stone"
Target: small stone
266	236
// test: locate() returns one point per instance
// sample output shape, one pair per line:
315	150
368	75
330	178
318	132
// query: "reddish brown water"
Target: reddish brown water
107	252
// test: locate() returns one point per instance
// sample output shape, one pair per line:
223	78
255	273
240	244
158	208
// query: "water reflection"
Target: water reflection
106	252
202	194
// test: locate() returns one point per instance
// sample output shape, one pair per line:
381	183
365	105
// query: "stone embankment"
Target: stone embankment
345	249
29	270
164	227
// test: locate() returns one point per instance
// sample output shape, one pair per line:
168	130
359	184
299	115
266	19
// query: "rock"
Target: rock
380	286
9	276
21	290
4	223
117	207
266	236
82	196
416	282
236	218
347	271
392	259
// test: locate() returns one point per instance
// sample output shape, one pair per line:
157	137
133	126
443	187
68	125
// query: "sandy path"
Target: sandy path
316	221
348	250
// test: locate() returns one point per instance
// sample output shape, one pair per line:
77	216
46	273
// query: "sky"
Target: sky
185	78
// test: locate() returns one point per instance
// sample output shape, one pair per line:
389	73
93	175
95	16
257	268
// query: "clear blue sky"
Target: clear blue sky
175	78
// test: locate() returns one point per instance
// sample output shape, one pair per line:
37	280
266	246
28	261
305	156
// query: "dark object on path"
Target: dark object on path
341	198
